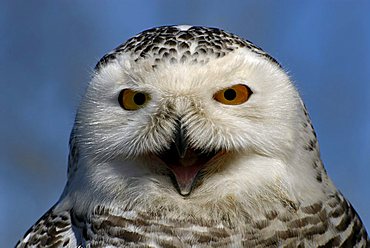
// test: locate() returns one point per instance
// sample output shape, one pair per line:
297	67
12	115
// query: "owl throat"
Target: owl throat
185	162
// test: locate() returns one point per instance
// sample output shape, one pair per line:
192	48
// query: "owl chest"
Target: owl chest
124	232
142	231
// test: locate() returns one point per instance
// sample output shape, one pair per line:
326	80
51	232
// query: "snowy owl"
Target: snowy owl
193	137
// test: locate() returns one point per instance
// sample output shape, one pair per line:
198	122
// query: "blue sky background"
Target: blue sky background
48	49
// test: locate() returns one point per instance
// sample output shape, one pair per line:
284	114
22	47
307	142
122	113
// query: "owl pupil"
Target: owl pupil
139	98
230	94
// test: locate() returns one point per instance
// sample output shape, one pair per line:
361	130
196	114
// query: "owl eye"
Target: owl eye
234	95
132	100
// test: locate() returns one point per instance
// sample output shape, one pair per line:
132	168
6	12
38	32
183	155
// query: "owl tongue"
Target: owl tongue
186	169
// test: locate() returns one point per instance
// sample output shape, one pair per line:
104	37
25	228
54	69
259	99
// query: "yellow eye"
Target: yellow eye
233	95
132	100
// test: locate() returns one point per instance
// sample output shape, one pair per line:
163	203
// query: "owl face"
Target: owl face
179	120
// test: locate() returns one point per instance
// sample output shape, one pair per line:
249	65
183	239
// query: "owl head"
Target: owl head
185	111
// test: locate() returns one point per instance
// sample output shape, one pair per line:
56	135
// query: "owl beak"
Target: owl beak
185	170
184	175
184	162
180	140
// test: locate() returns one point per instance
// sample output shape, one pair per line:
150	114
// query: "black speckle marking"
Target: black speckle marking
318	176
315	164
170	43
311	145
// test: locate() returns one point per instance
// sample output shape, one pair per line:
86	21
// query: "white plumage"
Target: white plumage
192	137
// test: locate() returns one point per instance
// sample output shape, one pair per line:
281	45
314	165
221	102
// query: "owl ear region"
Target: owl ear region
132	100
234	95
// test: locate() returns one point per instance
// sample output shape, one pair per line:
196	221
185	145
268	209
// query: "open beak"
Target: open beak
184	162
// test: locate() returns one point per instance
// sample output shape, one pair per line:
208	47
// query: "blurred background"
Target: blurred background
48	50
